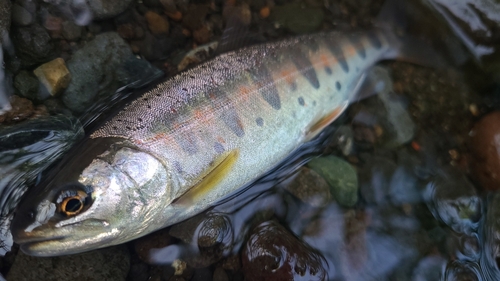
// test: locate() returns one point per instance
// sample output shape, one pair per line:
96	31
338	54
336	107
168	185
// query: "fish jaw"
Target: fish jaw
121	190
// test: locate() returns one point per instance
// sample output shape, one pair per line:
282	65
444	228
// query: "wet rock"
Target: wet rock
26	85
156	23
54	76
56	106
341	177
484	144
297	17
130	31
453	200
105	264
93	70
5	18
273	253
32	43
476	23
104	9
153	48
22	109
202	35
310	187
462	271
21	16
71	31
211	233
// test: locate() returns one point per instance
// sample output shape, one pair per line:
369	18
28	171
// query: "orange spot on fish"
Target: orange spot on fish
324	59
220	139
288	74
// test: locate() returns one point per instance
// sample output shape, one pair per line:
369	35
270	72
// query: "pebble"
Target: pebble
202	35
104	9
22	109
21	16
105	264
54	76
32	43
265	12
214	238
71	31
453	200
341	177
156	23
484	144
310	187
26	85
93	70
5	18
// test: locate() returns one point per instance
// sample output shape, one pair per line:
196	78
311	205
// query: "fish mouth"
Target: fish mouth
40	247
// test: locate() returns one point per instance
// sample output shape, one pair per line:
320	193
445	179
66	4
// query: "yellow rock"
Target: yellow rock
54	76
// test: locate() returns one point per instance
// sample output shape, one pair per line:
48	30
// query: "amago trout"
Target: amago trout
194	139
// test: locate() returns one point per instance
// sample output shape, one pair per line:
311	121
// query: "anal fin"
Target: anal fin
209	179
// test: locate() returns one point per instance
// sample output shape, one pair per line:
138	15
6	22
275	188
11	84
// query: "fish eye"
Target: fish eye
71	202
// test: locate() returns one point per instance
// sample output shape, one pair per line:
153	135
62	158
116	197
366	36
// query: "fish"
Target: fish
195	138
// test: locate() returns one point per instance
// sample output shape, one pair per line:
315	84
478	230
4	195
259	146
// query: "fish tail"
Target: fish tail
415	40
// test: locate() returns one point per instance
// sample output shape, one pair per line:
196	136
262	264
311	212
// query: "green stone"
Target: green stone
341	177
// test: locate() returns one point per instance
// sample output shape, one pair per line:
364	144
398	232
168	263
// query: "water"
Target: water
420	215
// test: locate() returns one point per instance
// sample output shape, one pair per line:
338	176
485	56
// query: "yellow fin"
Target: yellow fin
317	127
219	168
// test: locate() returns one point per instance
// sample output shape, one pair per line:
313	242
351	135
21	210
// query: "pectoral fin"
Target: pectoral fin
209	179
317	127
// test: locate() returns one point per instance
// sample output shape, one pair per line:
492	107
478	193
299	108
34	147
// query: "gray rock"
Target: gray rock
71	31
310	187
93	69
104	9
106	264
341	177
21	16
32	43
26	85
5	11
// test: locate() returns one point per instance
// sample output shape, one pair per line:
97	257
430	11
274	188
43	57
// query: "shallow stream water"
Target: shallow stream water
401	187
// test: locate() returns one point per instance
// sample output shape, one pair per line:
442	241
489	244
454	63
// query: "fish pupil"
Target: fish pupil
73	205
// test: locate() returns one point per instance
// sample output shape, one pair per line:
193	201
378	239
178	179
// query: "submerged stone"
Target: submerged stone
273	253
310	187
341	177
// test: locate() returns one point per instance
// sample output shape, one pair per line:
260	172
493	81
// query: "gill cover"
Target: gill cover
94	198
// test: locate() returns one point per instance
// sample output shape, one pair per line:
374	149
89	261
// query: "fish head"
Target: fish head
103	193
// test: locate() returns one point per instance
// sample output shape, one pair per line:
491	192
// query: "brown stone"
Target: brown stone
156	23
485	147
